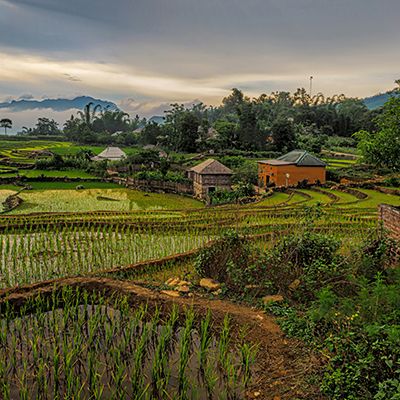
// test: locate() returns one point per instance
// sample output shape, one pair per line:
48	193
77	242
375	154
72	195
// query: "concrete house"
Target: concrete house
110	154
292	168
209	176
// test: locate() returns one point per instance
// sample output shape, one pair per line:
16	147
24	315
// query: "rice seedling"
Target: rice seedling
83	345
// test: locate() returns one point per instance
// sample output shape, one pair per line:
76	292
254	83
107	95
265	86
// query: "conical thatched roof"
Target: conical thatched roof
110	153
211	167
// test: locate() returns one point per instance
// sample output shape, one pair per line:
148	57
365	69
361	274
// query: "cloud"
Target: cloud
177	50
72	78
26	97
148	108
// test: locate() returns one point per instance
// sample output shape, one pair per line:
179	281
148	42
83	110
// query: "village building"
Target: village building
110	154
291	169
209	176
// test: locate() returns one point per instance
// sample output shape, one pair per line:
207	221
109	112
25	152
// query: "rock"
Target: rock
184	283
256	394
210	284
276	298
295	284
183	289
170	293
172	282
169	281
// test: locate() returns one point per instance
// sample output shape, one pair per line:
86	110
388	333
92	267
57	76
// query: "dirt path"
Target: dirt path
283	365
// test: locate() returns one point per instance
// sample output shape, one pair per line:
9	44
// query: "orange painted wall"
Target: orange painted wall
277	174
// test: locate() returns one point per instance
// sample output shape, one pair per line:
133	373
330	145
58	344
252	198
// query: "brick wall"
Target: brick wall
390	216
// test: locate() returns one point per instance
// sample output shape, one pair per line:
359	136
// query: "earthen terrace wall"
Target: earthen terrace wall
390	216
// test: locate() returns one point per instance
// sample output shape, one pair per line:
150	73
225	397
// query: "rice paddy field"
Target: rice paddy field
78	314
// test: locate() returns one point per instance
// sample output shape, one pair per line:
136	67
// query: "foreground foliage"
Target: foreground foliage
344	305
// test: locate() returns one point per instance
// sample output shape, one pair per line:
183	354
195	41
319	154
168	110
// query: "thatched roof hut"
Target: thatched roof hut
110	154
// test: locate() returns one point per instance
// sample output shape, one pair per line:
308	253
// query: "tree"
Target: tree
181	128
150	133
88	114
228	137
189	132
382	148
250	136
111	121
6	123
283	135
46	126
231	103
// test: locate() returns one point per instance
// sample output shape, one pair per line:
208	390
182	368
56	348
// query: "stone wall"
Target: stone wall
390	217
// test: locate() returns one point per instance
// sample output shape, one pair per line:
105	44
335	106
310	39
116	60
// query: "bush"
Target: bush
157	175
362	335
392	182
226	261
309	257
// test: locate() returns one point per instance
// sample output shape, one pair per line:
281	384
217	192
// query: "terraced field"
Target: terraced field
78	271
126	227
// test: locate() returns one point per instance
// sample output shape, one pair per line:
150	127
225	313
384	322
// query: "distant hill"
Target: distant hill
56	104
379	100
157	119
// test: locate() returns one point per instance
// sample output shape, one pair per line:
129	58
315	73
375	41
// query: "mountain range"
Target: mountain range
56	104
379	100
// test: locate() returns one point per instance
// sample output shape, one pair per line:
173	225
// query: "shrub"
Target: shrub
374	256
310	257
392	182
226	260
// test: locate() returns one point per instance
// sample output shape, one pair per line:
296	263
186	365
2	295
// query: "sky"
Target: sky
145	54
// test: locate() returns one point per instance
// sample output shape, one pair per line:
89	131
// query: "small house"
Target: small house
110	154
209	176
291	169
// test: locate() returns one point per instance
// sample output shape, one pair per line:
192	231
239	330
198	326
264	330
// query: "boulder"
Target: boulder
210	284
170	293
295	284
183	289
172	282
184	283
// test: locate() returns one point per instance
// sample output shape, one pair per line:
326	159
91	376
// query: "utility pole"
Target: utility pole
311	78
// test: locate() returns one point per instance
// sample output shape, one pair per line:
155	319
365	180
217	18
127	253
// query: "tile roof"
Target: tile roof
298	157
211	167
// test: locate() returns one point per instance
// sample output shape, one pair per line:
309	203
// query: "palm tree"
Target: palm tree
88	114
6	124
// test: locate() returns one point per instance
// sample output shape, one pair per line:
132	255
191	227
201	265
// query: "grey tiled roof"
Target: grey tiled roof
300	158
